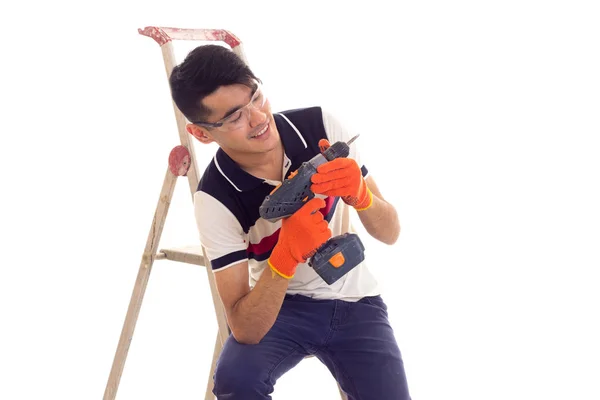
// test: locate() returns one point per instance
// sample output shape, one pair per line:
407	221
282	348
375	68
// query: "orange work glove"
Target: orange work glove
300	236
342	177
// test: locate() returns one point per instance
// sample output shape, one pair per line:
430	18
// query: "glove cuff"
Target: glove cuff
282	263
363	200
366	202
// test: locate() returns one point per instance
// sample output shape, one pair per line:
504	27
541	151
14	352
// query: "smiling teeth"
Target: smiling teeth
261	132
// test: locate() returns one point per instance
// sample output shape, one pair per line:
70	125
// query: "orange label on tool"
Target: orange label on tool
337	260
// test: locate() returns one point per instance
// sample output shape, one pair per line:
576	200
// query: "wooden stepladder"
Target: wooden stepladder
182	162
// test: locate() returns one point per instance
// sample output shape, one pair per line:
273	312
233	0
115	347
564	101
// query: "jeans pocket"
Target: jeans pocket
376	301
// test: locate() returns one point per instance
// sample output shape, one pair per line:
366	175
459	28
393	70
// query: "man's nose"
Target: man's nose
256	116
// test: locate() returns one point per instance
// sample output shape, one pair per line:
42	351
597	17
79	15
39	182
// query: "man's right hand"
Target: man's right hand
300	236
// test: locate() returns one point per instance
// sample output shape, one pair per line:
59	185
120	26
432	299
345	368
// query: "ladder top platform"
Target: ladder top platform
163	35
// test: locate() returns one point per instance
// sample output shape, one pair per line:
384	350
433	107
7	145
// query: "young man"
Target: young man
278	309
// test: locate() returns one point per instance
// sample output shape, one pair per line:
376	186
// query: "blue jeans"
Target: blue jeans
353	339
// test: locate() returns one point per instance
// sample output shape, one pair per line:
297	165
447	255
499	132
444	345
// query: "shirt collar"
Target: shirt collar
293	146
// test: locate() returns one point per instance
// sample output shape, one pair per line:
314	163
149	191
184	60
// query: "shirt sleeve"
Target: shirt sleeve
220	232
336	131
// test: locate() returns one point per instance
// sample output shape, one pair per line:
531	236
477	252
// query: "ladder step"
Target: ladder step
188	255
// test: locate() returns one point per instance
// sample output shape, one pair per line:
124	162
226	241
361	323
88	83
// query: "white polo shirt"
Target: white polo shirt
227	209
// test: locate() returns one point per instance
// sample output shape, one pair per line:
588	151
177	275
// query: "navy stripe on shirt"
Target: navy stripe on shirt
229	259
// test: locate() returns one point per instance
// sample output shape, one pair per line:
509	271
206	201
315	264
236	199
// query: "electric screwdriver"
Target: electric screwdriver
338	255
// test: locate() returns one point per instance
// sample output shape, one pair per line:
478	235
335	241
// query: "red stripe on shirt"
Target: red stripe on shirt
267	243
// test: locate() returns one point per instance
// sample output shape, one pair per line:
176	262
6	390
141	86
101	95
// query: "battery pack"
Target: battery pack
337	257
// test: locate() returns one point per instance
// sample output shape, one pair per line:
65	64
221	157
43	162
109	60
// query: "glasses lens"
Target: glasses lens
258	100
240	118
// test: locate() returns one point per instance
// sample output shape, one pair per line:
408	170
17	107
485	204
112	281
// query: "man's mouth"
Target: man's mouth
261	132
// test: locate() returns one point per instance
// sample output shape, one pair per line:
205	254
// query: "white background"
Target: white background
479	121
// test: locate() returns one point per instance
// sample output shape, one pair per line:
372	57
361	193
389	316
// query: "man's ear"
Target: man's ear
202	134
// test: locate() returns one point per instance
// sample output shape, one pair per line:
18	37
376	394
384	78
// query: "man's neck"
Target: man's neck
263	165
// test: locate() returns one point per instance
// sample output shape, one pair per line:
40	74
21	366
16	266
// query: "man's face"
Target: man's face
248	125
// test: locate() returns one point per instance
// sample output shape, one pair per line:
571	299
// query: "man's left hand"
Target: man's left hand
342	177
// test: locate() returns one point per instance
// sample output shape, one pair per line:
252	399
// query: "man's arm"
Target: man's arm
381	218
250	313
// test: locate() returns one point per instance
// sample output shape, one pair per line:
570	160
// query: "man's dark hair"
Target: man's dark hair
202	71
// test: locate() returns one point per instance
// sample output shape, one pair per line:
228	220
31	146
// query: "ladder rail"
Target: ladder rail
135	304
